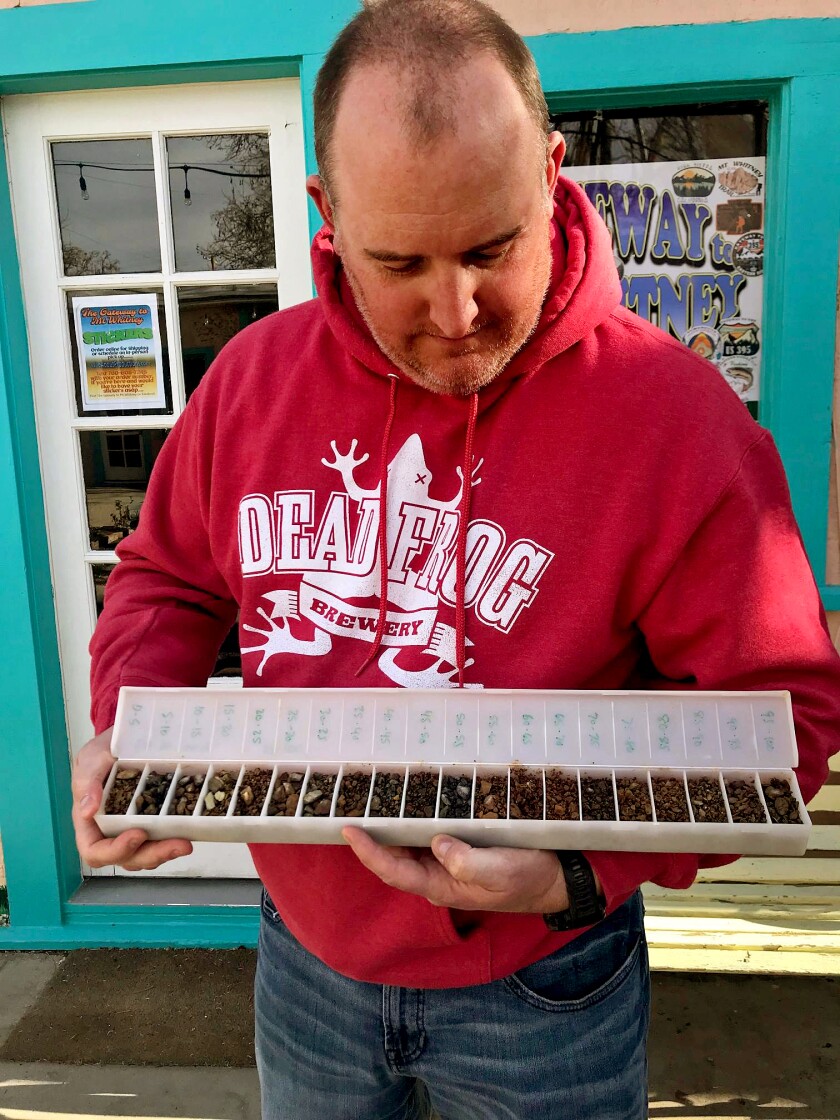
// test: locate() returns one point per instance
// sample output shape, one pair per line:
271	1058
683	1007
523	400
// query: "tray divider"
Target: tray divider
199	805
339	778
654	818
131	811
437	815
234	797
170	793
270	791
691	818
304	786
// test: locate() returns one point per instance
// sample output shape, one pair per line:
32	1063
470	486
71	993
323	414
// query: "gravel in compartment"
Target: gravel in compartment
455	795
318	797
421	795
387	795
561	797
219	792
122	791
352	795
669	799
253	791
633	799
744	803
526	794
707	801
286	794
154	794
597	796
491	798
186	795
782	804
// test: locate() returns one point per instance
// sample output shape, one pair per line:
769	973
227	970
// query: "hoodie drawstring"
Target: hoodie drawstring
460	544
382	531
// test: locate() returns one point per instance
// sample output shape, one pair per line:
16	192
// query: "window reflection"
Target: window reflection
220	191
107	206
116	466
651	136
100	573
210	317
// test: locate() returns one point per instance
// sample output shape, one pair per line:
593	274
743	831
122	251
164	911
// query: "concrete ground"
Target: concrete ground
733	1048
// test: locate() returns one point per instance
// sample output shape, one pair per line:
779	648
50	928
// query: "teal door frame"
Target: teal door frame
793	64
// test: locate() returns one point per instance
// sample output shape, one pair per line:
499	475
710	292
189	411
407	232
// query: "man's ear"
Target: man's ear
318	193
554	160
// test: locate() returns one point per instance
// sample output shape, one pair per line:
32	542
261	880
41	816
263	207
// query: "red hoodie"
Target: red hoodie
629	526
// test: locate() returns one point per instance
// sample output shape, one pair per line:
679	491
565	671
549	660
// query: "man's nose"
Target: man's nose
452	305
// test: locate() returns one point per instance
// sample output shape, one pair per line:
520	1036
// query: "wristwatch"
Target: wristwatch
586	907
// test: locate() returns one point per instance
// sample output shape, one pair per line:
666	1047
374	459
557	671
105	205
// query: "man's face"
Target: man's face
445	246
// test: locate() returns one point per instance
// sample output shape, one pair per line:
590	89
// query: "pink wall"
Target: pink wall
537	17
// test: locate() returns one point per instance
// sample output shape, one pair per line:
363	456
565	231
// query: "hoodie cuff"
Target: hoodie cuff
621	873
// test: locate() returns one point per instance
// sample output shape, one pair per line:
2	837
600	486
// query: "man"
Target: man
573	501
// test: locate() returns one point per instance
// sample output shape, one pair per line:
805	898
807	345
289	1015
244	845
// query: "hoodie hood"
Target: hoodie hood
584	289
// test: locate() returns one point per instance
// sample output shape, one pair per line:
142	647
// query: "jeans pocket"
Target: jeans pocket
269	910
585	972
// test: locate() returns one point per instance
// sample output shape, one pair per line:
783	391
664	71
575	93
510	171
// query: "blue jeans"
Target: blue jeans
563	1039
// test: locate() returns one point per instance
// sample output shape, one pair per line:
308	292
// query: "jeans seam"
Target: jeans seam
516	987
419	1024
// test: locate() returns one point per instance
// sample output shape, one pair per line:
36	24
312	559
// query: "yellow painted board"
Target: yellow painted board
768	870
750	961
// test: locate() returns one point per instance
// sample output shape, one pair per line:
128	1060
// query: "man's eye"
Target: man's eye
402	269
489	258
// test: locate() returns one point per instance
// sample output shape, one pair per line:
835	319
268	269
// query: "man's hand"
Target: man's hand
456	875
131	850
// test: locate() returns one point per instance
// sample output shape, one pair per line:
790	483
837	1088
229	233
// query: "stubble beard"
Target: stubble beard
476	374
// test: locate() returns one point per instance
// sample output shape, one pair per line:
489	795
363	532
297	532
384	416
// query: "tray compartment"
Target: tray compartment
187	791
634	797
422	793
284	793
354	790
788	789
220	788
597	796
457	790
252	791
319	791
526	800
153	791
746	802
562	794
491	795
707	798
123	788
670	797
387	793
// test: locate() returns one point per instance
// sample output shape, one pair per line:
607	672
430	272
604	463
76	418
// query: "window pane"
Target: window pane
107	208
683	132
682	191
229	661
116	481
210	317
100	573
220	190
92	294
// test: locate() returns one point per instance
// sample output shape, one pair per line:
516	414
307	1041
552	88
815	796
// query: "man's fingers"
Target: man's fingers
156	853
396	867
488	868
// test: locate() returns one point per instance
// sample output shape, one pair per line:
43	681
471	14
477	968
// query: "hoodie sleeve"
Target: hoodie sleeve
167	607
740	610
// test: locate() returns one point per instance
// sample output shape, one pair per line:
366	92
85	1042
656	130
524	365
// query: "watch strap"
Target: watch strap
586	907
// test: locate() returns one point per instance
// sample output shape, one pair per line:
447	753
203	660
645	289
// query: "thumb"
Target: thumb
462	861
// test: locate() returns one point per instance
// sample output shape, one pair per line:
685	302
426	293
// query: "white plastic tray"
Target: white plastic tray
724	736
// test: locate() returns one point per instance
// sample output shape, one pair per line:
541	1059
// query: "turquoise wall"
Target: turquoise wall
793	64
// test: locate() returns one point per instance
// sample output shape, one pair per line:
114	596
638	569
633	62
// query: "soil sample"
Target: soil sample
253	790
561	797
707	801
186	795
781	802
387	795
526	794
669	799
598	802
286	794
154	794
352	795
455	796
633	799
491	798
219	792
318	797
421	794
122	791
745	803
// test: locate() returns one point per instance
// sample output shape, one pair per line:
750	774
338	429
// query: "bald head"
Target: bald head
425	46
